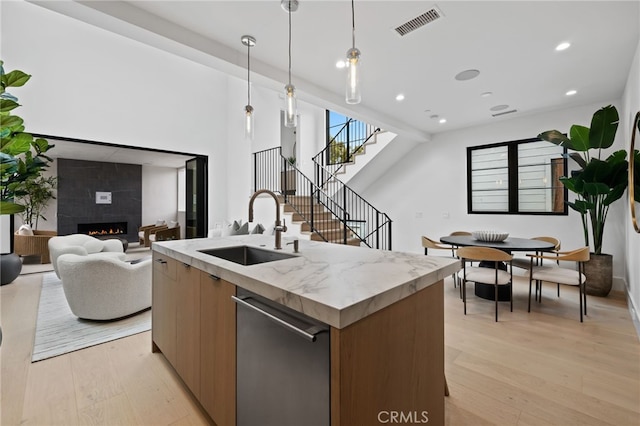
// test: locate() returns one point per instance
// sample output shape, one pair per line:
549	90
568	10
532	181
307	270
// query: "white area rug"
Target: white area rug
58	331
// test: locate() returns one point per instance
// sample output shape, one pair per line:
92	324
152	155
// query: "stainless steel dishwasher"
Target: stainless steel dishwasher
283	359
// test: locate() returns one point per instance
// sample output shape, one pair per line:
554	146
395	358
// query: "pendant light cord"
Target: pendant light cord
248	73
353	24
289	42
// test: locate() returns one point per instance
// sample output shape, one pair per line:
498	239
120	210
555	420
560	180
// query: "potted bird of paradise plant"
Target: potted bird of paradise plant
598	183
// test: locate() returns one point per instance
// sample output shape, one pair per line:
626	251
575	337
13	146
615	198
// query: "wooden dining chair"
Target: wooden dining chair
495	275
428	243
455	247
525	262
562	275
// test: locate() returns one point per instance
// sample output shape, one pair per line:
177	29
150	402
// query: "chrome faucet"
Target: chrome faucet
280	228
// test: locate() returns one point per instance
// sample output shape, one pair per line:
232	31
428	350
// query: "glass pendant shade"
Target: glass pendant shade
248	122
353	76
248	41
290	107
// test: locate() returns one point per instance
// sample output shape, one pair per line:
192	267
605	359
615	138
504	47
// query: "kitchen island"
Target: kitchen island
383	313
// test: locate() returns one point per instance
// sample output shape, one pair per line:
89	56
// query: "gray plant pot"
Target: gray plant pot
10	268
599	272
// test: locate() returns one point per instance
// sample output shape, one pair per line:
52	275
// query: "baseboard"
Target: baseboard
633	308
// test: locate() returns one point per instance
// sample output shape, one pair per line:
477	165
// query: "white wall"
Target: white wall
91	84
267	105
159	195
630	106
425	193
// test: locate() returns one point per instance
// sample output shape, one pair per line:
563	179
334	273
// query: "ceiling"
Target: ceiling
108	153
511	43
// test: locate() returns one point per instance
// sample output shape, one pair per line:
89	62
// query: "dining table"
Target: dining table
510	244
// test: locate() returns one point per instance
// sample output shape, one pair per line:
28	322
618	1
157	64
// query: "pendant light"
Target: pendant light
248	41
291	109
353	65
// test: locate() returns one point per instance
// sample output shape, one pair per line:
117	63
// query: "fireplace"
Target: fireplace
103	229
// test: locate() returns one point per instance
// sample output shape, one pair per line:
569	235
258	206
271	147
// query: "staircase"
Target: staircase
361	158
298	208
340	217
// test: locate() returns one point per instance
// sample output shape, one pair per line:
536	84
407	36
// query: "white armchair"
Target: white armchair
82	245
104	288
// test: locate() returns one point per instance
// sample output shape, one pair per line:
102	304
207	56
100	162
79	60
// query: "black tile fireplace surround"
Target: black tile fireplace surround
78	182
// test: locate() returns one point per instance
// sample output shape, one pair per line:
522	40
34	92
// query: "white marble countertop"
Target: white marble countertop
332	283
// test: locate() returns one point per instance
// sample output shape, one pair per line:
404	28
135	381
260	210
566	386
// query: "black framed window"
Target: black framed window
517	177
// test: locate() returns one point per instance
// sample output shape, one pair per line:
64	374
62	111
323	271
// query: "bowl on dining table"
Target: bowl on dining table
490	236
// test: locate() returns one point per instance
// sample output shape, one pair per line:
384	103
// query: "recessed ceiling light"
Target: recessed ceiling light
499	107
442	120
341	64
486	94
434	116
400	97
467	75
563	46
571	92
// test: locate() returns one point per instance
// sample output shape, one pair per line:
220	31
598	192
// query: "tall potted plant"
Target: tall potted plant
38	193
17	163
598	184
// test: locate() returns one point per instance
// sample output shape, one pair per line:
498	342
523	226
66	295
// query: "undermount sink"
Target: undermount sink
246	255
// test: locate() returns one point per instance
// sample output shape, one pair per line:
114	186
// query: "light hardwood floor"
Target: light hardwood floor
528	369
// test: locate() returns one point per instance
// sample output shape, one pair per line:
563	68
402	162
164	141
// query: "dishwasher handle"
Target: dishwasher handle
311	337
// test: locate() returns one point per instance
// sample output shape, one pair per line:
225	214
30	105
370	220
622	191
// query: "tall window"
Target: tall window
345	137
338	139
517	177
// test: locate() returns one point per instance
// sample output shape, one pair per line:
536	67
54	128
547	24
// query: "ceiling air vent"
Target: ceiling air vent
419	21
504	113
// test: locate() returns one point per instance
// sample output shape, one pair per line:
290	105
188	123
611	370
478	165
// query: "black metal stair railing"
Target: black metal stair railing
341	148
372	226
340	217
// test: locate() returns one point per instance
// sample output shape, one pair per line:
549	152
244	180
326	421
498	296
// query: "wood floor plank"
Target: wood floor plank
521	389
538	368
556	369
483	405
94	378
116	410
18	309
615	389
50	397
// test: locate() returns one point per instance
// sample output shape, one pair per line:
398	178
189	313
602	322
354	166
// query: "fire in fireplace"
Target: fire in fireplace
102	229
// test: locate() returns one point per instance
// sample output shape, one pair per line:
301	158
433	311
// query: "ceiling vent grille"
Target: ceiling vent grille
504	113
419	21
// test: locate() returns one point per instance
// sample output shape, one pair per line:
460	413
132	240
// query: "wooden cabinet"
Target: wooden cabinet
194	326
188	326
391	361
164	307
218	349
